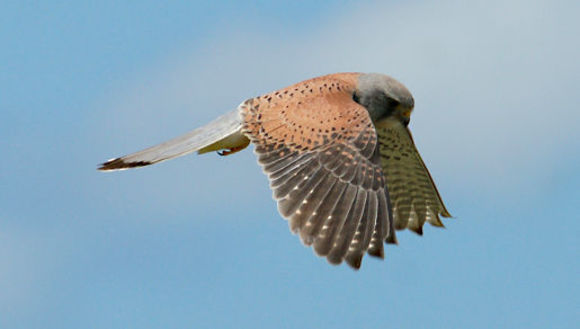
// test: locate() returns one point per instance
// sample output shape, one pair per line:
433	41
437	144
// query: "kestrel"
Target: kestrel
339	155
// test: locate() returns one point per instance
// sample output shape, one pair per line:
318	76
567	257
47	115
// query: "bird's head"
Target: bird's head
384	98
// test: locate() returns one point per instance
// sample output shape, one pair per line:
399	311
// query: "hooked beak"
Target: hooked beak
406	117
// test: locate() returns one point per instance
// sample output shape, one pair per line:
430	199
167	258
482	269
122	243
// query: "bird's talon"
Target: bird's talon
229	151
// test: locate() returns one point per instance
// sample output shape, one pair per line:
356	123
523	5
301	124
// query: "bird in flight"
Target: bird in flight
339	156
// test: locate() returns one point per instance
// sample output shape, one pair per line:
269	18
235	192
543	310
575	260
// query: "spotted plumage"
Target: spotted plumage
341	162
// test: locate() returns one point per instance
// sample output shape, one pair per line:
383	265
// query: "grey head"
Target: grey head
384	97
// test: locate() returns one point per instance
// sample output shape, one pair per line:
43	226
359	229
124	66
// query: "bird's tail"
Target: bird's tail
222	133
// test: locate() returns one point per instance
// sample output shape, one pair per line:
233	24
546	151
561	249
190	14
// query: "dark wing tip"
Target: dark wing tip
378	251
446	214
418	230
391	237
119	163
354	261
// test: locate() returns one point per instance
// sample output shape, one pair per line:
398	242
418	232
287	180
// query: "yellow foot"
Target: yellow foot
231	150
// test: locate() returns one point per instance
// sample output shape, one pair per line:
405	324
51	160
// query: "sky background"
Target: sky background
197	242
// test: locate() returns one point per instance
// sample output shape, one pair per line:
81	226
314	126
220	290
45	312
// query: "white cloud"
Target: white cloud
494	81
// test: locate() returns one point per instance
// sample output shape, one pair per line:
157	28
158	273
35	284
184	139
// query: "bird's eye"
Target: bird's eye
355	97
392	103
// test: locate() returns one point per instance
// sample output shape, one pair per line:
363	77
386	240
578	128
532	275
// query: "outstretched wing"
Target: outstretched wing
413	194
320	151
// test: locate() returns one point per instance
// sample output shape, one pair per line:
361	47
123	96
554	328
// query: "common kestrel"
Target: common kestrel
341	161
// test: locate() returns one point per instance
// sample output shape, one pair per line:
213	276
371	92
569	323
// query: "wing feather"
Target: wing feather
349	228
414	196
328	235
320	152
319	217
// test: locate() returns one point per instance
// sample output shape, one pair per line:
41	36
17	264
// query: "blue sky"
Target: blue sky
197	242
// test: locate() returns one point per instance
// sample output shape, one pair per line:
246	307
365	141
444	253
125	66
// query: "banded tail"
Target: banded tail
222	133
